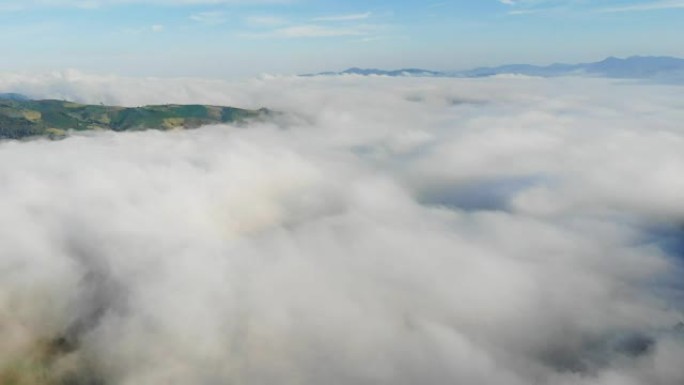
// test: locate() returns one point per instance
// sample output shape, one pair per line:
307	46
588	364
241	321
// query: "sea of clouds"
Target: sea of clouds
381	230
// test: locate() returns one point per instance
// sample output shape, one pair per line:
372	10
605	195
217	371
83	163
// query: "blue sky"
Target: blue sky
229	38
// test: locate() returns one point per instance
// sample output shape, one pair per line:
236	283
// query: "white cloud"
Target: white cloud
646	6
533	6
209	18
382	231
350	17
311	31
265	21
12	5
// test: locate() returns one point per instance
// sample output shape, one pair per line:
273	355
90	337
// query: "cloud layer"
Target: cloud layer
483	231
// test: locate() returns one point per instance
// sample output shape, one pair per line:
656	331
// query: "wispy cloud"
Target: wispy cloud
351	17
142	30
265	21
310	31
520	7
650	6
526	7
16	5
533	7
271	26
209	18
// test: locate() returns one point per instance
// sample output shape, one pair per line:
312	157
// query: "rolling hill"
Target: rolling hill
22	118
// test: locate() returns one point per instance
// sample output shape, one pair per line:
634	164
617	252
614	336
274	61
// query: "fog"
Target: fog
507	230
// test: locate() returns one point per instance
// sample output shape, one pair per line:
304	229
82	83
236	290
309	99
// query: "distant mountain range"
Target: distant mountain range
21	117
660	68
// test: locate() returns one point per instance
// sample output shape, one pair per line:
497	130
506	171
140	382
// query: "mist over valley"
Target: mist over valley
377	230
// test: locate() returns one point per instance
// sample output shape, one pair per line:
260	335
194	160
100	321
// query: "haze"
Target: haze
399	228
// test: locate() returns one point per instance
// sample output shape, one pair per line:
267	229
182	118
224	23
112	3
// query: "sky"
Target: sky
234	38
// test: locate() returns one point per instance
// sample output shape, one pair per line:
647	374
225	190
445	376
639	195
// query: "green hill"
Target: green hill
54	118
